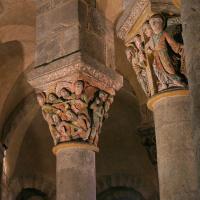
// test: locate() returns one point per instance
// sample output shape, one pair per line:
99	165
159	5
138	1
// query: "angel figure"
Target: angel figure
163	64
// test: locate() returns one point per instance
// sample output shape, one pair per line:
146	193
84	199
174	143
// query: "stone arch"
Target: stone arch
35	182
15	129
120	193
29	193
126	181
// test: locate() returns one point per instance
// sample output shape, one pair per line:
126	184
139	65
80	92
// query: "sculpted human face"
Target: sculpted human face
78	88
103	96
147	30
156	25
64	93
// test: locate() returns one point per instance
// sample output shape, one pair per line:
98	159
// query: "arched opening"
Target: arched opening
120	193
31	194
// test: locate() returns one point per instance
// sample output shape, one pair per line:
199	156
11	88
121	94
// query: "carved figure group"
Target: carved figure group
70	114
136	57
156	42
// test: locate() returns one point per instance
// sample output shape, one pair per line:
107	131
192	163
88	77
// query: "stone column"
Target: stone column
75	83
177	167
163	77
76	174
191	34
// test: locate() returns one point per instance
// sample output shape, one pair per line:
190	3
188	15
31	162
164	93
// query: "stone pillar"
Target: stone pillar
75	83
177	167
76	173
163	75
191	34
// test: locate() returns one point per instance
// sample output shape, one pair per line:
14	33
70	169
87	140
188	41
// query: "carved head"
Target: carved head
65	93
147	30
103	95
78	87
157	23
41	99
138	41
97	101
52	98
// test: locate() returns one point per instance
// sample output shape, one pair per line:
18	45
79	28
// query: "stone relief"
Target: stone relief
157	59
75	112
124	26
148	140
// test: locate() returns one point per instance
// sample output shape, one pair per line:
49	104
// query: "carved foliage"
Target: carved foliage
157	59
75	111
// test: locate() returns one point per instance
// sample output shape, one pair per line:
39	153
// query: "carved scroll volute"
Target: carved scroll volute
75	111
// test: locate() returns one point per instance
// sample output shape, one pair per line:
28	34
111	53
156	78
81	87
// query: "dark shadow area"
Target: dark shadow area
31	193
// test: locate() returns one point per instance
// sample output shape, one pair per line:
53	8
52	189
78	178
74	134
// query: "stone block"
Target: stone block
61	44
93	46
65	27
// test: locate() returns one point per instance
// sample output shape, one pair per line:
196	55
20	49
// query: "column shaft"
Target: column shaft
76	178
177	167
191	33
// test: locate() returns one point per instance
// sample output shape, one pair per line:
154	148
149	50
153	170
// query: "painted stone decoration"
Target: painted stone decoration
157	58
75	111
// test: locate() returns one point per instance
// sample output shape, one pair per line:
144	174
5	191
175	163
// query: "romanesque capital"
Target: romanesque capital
152	34
75	99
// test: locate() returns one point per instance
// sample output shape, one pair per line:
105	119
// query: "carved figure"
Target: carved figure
58	131
80	126
137	59
67	113
47	109
163	64
79	98
147	31
98	111
65	94
108	103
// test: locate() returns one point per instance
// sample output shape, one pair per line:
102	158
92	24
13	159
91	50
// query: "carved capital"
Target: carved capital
155	51
75	97
75	111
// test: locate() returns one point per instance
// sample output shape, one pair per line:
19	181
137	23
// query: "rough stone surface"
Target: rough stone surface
176	159
191	29
65	27
76	179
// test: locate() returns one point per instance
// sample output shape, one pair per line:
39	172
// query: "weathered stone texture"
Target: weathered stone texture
76	175
191	33
175	153
65	27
